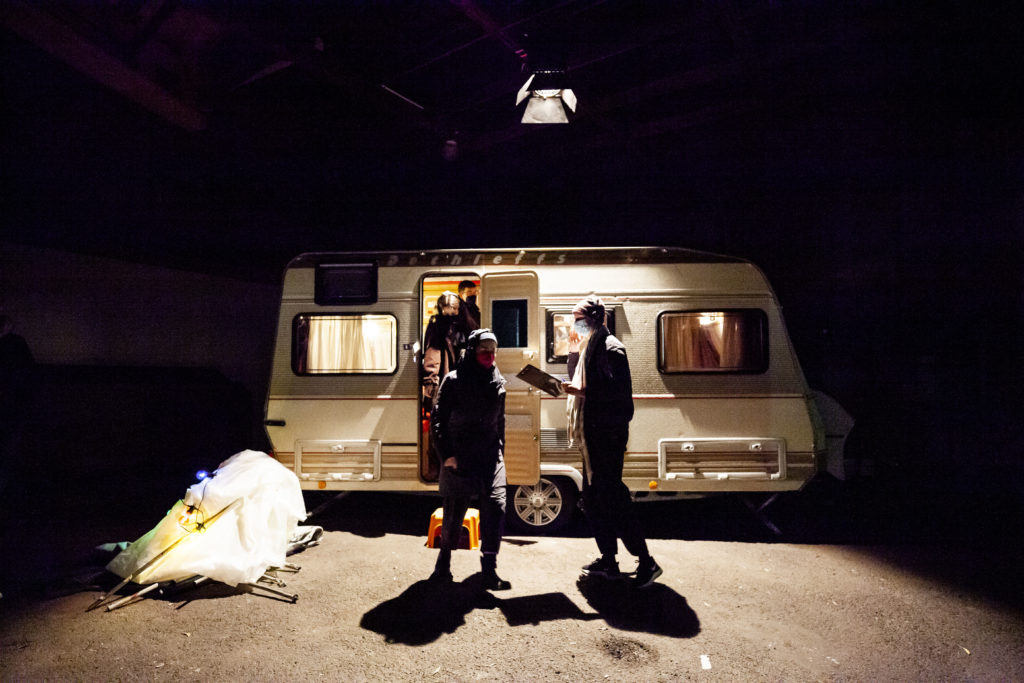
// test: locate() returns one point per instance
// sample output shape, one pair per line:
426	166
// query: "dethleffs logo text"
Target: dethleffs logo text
513	258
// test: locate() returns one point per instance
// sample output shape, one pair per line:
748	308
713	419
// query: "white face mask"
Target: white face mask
582	328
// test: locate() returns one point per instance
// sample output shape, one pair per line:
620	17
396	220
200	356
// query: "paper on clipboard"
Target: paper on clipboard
540	379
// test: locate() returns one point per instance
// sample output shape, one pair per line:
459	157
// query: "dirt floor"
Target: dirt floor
852	591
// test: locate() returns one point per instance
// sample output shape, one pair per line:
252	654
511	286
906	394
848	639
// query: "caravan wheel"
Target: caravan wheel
543	508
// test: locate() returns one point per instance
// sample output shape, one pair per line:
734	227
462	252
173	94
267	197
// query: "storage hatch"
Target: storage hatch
337	460
722	458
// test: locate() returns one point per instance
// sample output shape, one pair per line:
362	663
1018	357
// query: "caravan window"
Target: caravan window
713	341
344	344
509	322
559	322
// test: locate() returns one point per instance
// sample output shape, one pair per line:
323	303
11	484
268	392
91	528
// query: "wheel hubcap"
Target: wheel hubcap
538	505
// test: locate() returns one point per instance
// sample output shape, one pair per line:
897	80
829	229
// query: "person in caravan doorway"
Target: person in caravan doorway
468	291
468	428
599	407
443	341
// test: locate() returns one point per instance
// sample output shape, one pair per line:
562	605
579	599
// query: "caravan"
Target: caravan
721	404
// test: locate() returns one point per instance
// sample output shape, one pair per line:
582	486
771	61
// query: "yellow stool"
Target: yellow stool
471	523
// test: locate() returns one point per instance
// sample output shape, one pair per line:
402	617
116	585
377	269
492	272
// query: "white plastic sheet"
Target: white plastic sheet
229	527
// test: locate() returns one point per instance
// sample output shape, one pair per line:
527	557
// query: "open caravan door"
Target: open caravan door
510	305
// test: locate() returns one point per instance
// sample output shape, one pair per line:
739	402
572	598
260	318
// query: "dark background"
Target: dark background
867	155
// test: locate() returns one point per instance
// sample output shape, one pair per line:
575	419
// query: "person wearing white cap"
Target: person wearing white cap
468	427
599	407
443	341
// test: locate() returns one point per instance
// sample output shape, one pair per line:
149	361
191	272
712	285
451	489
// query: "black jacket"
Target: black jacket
608	405
468	422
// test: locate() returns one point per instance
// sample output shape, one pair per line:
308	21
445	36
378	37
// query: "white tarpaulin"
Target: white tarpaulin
229	527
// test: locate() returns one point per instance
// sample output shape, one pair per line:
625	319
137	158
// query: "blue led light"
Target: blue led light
202	474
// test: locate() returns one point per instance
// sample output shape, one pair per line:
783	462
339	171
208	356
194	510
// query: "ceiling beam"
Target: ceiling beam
64	43
490	26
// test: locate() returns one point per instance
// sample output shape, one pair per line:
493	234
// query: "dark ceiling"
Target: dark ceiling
231	136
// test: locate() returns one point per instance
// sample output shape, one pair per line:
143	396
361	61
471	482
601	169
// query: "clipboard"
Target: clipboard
535	376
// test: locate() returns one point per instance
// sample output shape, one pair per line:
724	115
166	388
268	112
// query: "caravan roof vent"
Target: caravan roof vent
339	284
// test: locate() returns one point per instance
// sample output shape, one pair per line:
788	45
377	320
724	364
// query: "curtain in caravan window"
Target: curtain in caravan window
561	323
686	345
708	341
677	343
731	331
349	344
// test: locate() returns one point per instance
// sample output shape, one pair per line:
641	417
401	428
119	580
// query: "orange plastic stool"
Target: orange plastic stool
471	523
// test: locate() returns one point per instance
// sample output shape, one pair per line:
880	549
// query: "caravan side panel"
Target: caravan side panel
336	411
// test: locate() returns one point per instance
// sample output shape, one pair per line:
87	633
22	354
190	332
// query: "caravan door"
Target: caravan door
510	305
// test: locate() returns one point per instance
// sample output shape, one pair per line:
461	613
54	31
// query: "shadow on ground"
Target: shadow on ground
428	609
656	609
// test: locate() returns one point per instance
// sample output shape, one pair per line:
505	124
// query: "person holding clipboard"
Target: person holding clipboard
599	409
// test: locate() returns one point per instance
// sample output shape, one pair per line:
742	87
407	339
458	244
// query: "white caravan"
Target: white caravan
721	402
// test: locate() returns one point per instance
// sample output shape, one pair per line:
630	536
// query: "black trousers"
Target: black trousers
458	491
606	500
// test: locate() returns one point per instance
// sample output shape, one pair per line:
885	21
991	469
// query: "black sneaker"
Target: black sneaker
606	568
646	573
493	582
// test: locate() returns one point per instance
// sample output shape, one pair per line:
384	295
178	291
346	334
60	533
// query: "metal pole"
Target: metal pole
100	600
134	597
290	596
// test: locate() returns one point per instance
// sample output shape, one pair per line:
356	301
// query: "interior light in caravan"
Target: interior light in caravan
547	97
708	319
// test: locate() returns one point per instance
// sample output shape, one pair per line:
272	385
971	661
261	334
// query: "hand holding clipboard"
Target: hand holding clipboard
536	377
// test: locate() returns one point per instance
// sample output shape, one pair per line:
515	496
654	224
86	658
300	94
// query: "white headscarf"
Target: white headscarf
574	408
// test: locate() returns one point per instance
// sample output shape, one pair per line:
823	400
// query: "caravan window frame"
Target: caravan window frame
549	329
753	369
295	343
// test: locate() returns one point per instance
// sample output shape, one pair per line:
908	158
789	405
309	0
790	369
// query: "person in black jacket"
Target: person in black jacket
468	427
443	341
470	311
600	406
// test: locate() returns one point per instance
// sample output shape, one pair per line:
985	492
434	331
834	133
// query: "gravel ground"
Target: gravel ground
845	594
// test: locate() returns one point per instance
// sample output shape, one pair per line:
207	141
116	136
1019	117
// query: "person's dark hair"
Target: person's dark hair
466	284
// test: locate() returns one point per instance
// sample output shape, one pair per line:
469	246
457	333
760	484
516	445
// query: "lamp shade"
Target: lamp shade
541	109
546	97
